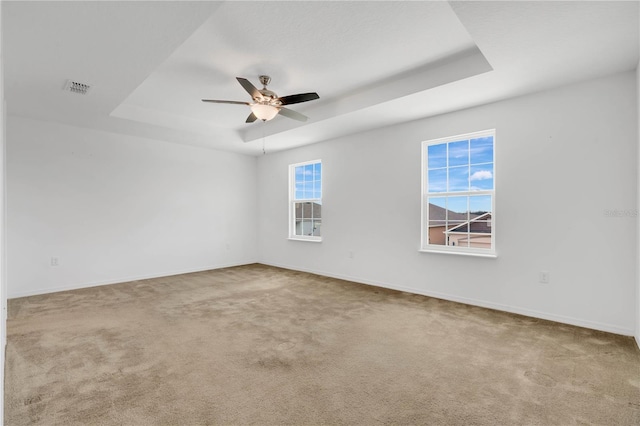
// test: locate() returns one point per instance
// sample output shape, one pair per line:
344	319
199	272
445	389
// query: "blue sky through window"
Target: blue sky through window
480	203
481	150
308	181
459	179
465	165
458	204
458	153
463	204
439	201
437	155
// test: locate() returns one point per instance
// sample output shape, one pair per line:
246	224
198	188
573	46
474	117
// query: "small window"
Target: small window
458	194
305	201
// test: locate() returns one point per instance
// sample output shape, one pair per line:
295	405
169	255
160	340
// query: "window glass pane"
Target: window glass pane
480	228
481	177
317	171
458	208
437	210
308	187
439	202
480	240
308	172
437	207
459	178
458	240
436	233
299	191
437	156
317	186
437	180
307	227
317	211
480	204
306	210
304	227
317	224
458	153
299	174
482	150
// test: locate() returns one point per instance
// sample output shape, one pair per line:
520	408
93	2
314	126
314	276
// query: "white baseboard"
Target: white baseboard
610	328
126	279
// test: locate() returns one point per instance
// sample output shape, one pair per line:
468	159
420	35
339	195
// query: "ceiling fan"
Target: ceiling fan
266	104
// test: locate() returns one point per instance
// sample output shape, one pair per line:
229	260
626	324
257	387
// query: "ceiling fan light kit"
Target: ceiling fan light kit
266	104
264	112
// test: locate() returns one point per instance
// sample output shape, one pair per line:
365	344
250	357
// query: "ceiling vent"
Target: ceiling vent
75	87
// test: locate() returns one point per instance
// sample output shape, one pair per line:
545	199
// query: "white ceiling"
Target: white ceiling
372	63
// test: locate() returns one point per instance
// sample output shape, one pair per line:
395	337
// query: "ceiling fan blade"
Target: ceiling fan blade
251	118
225	102
250	88
289	113
296	99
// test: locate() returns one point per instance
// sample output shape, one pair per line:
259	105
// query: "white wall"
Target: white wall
3	282
563	158
114	208
638	253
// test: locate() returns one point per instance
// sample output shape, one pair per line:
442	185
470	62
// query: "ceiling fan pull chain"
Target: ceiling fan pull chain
264	152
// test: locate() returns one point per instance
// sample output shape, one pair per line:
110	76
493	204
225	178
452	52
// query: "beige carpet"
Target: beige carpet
262	345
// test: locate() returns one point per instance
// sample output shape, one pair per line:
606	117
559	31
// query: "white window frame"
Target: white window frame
293	201
424	229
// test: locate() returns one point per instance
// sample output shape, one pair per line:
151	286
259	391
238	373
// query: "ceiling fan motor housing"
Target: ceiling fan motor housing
268	95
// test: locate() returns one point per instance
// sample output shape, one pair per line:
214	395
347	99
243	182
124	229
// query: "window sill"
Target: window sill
460	253
308	240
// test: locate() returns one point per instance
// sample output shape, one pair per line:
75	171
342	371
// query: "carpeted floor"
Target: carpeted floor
262	345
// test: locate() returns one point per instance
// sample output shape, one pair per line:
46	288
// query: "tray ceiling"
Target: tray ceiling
149	64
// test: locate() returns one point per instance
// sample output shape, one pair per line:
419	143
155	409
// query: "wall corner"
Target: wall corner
637	325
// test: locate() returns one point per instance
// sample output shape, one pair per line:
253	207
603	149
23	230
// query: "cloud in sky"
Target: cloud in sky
481	175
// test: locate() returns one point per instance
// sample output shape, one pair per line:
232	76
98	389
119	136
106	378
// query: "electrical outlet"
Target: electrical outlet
54	261
544	277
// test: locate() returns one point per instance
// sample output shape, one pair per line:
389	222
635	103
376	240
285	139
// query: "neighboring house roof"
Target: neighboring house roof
479	224
317	210
438	216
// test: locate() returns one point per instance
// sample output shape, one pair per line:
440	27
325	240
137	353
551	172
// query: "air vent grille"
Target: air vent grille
75	87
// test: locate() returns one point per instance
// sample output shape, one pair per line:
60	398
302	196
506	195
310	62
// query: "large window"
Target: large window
305	201
458	194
